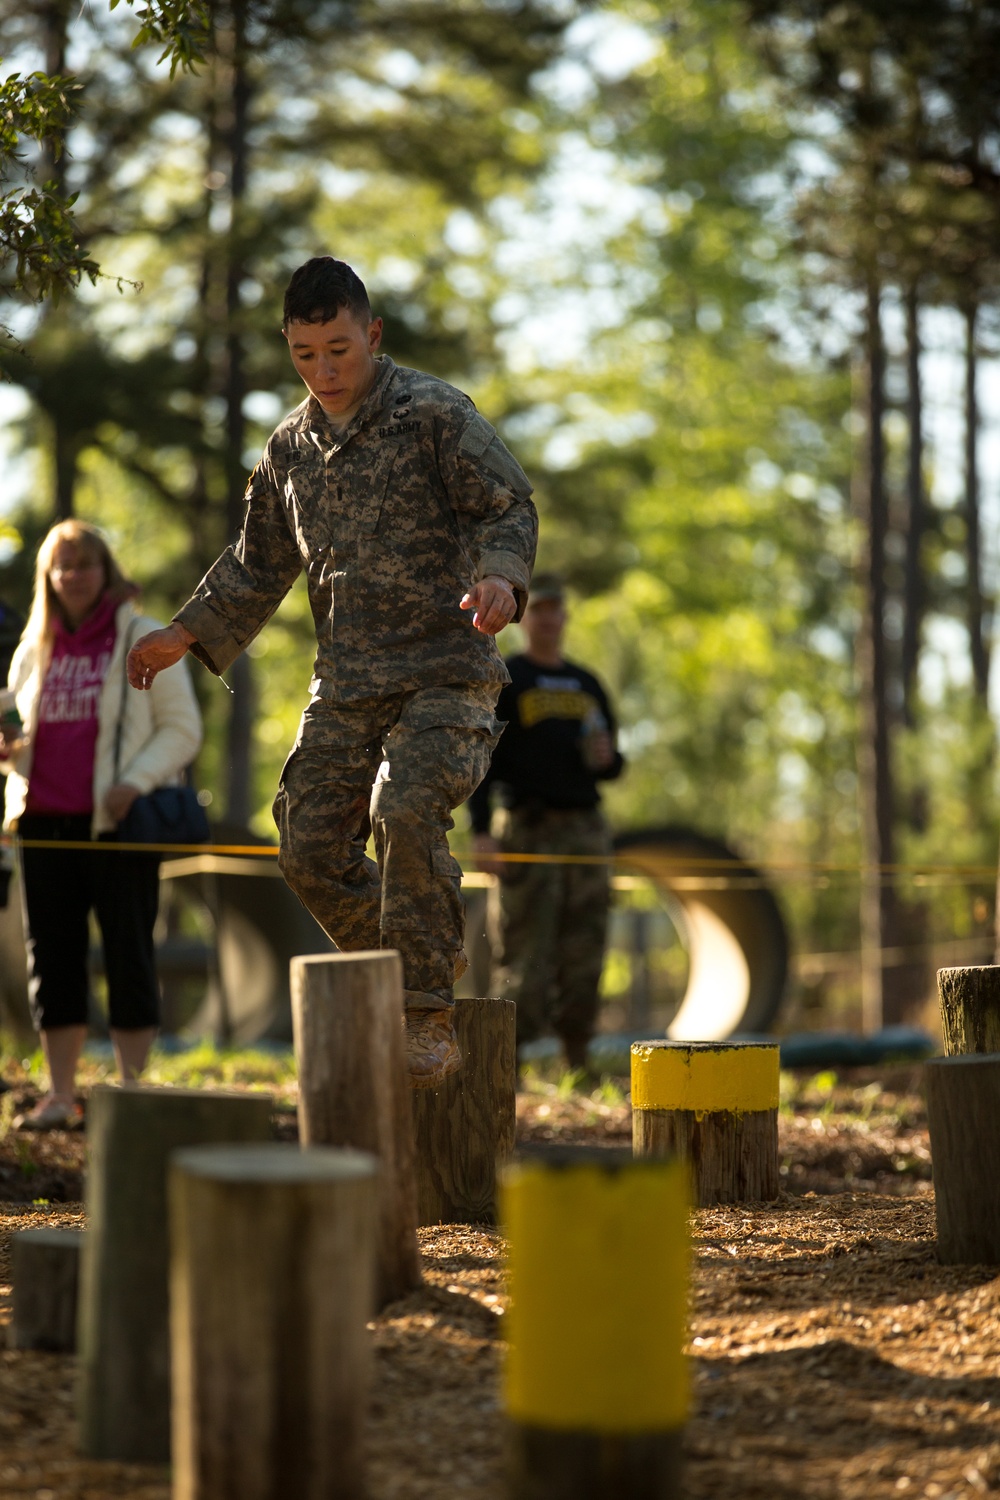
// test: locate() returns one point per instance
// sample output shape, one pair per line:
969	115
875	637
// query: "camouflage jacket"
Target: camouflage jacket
392	520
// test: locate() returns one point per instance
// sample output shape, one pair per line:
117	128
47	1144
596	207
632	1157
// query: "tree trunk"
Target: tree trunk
970	1009
272	1259
465	1129
913	585
976	608
596	1385
123	1335
354	1090
45	1267
65	453
963	1111
54	16
714	1104
881	999
234	133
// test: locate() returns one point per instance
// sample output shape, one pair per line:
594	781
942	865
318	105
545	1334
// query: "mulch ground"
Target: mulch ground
831	1355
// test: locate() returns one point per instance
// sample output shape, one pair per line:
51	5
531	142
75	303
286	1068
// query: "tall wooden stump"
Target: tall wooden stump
716	1105
465	1128
123	1336
273	1256
45	1270
354	1090
963	1111
970	1008
596	1381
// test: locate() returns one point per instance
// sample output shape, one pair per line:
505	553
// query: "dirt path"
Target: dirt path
832	1357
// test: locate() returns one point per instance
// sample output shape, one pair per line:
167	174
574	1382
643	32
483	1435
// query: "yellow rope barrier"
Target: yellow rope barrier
645	860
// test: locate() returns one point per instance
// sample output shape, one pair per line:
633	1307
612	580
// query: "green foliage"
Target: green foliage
210	1066
181	27
40	241
37	230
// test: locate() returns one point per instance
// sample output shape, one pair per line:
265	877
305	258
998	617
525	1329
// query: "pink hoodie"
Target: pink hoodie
62	767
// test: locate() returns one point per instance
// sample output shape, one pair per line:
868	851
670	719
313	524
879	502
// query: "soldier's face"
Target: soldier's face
336	359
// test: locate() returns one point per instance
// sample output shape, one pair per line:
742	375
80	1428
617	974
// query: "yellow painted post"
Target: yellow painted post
715	1104
596	1379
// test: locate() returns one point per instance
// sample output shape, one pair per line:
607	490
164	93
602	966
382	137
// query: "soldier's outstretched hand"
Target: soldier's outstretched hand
494	603
154	652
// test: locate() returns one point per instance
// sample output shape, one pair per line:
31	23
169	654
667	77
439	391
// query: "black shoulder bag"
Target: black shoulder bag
166	815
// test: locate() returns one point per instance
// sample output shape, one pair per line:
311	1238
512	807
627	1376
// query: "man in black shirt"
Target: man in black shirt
558	744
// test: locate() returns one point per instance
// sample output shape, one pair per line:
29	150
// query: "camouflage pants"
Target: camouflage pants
394	766
552	921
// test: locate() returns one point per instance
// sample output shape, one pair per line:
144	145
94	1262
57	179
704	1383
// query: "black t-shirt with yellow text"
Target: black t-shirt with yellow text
541	758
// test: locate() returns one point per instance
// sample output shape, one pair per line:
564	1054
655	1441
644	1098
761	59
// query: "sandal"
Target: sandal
57	1114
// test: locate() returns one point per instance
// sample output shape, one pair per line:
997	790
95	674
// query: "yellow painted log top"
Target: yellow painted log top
598	1268
705	1077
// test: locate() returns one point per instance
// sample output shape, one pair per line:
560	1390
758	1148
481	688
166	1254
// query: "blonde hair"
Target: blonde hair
45	607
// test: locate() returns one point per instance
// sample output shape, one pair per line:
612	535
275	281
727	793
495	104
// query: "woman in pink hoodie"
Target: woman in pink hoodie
90	746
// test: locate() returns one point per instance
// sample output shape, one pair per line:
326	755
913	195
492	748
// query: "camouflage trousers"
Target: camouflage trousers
394	767
551	922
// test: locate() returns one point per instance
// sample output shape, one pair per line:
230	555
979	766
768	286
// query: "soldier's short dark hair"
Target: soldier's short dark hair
320	288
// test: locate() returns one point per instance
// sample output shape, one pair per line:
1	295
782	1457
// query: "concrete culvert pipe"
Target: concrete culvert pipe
728	922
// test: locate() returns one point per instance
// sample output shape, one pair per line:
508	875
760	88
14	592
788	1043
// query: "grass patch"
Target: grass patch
203	1066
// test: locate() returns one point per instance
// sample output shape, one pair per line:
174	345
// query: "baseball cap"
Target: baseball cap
545	586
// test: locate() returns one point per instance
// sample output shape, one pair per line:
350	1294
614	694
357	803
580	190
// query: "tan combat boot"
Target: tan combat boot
432	1052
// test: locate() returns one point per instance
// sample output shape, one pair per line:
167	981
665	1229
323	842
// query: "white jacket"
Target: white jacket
161	728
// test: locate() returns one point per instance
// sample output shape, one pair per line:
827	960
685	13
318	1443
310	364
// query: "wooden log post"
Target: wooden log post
970	1008
354	1090
123	1331
715	1104
45	1271
963	1111
465	1128
272	1282
596	1381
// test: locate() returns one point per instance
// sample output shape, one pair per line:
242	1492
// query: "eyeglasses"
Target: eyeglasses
87	567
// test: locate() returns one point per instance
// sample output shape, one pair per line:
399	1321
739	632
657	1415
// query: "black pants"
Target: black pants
60	889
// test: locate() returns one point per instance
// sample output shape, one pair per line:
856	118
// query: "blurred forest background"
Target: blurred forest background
724	273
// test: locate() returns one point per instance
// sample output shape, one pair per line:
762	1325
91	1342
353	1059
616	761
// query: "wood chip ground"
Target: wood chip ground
831	1355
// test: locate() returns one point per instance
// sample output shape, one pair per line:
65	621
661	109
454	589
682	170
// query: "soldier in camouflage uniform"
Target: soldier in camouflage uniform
559	743
416	530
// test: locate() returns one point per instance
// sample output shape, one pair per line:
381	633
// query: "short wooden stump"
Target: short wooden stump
45	1269
596	1380
465	1128
715	1104
963	1115
970	1008
271	1285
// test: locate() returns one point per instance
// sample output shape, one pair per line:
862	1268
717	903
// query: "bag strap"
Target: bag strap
124	700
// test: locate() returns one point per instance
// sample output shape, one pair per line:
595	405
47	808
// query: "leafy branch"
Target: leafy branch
39	238
182	27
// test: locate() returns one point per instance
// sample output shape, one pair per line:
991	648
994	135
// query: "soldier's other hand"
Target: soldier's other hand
494	603
156	651
485	849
